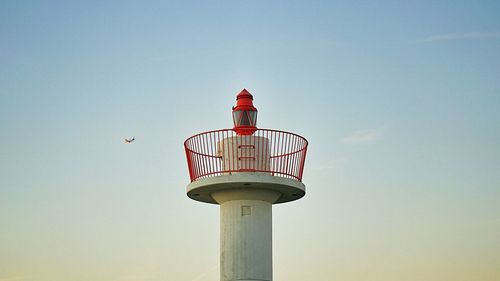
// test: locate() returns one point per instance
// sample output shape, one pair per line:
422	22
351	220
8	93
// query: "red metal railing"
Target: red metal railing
222	152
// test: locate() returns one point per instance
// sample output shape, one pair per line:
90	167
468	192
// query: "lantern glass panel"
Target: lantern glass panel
236	117
244	121
253	117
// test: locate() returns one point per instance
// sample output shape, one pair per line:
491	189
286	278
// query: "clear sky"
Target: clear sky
400	103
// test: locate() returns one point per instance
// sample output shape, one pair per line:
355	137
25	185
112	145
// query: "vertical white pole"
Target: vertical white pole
246	234
246	240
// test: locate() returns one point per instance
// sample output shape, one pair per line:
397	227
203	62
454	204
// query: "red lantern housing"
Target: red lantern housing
244	114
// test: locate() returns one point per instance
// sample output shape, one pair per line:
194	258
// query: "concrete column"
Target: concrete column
246	234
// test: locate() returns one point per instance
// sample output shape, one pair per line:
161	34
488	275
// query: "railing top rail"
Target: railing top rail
256	132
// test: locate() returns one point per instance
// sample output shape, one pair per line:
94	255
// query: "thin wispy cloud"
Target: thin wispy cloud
461	36
331	165
363	136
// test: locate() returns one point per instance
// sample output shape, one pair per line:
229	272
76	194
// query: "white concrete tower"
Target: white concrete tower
245	170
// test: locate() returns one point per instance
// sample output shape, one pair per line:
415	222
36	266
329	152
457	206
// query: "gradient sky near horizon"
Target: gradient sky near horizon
400	102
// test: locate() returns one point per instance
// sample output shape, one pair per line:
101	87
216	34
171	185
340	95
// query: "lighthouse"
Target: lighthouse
245	170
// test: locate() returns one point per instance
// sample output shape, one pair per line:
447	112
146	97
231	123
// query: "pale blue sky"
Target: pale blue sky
399	101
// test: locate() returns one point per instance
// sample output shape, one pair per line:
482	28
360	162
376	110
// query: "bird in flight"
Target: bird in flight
129	140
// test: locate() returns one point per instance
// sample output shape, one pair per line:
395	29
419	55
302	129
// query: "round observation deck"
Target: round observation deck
268	159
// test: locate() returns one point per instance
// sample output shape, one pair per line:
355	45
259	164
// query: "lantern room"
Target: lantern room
244	114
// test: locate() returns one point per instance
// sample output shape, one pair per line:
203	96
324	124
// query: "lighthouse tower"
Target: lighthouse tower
245	170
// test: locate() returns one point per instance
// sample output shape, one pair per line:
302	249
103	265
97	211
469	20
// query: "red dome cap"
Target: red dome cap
244	101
